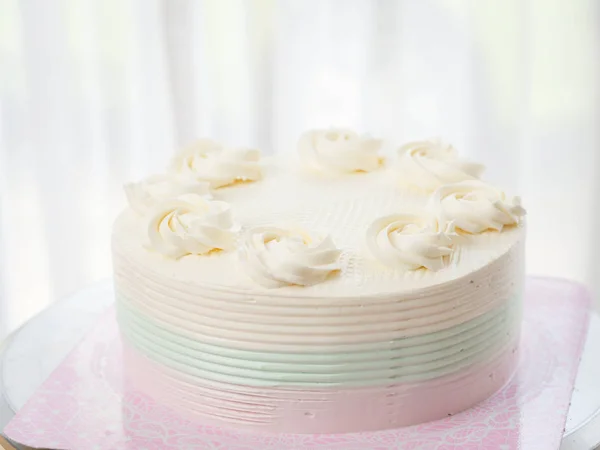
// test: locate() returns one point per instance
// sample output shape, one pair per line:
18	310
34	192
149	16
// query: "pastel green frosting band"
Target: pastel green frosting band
416	358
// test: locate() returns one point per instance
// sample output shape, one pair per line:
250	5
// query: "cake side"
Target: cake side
332	410
273	363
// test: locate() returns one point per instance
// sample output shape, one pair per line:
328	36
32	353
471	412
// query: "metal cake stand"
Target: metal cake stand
33	351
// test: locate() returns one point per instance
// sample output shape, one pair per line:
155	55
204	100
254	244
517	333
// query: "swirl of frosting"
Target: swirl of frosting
475	206
411	241
275	257
339	150
209	161
191	225
147	193
431	164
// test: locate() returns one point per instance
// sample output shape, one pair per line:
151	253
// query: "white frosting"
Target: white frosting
475	206
339	150
275	257
343	208
147	193
191	224
410	240
209	161
430	164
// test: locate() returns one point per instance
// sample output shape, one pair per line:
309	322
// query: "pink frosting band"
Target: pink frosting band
323	410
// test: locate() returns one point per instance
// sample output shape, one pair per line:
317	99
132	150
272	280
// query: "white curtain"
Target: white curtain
94	93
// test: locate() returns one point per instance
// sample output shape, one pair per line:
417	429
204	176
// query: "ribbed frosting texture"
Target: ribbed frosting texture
333	410
348	342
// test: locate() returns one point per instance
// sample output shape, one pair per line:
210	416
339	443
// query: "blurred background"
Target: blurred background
96	93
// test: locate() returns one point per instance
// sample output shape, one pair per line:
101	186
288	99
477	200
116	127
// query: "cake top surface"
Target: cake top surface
347	214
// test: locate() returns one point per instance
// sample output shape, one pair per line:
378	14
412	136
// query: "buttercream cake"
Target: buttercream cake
338	289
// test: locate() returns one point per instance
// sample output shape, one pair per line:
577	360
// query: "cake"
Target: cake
338	289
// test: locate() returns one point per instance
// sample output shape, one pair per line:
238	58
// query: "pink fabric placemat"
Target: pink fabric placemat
87	404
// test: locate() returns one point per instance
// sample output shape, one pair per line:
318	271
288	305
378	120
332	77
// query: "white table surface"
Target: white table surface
32	352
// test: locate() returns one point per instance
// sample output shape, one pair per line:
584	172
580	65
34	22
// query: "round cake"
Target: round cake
336	290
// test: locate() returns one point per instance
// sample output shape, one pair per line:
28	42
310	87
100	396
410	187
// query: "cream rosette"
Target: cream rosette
411	241
191	225
339	150
147	193
276	257
209	161
475	206
430	164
